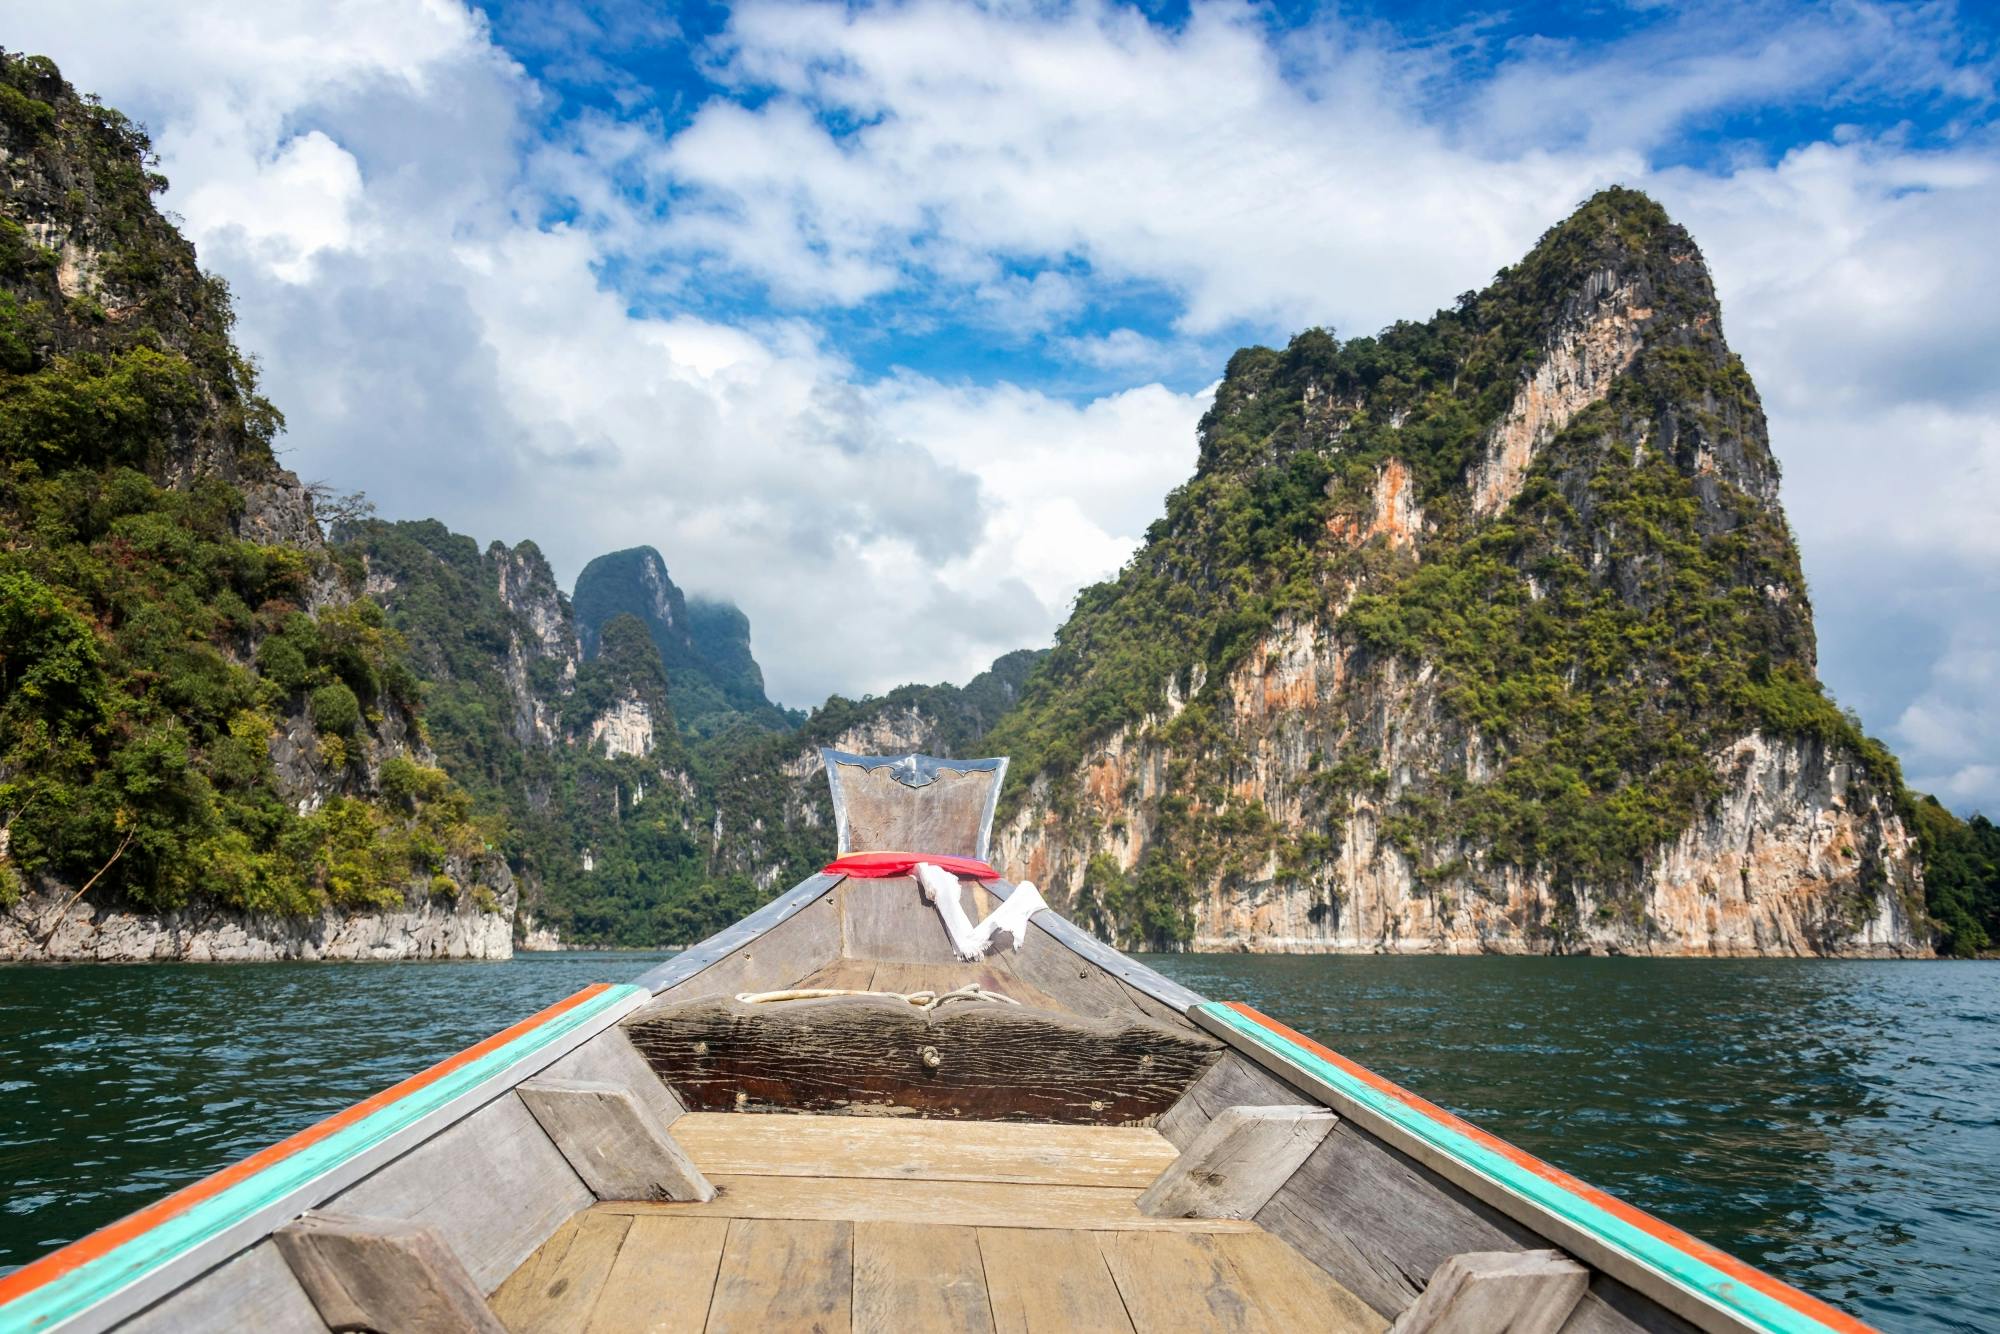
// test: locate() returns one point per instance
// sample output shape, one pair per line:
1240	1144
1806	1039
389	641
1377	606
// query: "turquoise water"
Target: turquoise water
1837	1123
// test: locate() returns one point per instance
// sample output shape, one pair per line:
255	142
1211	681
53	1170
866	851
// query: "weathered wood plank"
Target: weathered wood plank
561	1288
776	957
1076	983
255	1290
918	1276
1612	1308
1230	1082
951	814
968	1061
1376	1220
1082	944
888	920
1292	1292
367	1274
1048	1281
740	939
997	972
1238	1162
902	1148
842	975
610	1058
784	1274
969	1203
613	1141
990	974
1522	1292
526	1287
1178	1281
493	1185
663	1278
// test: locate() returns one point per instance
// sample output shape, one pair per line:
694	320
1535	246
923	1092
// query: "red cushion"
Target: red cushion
881	865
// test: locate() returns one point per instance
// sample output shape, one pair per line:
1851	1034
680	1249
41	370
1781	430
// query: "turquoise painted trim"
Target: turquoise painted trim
1685	1270
74	1293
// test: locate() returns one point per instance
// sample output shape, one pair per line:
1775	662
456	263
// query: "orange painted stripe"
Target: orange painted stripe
1749	1275
107	1238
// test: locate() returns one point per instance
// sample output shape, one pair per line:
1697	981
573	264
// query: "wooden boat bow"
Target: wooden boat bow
1110	1151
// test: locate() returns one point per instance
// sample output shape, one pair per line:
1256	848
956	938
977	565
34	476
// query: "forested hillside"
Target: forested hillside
195	706
1487	632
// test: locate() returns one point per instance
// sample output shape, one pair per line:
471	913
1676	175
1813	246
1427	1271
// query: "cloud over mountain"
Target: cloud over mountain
901	316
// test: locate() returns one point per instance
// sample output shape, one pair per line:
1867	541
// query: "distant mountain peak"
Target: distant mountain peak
704	643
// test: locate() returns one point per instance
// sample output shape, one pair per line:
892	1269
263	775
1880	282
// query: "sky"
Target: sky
892	323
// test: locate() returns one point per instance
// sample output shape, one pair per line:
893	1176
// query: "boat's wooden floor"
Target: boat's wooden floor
836	1223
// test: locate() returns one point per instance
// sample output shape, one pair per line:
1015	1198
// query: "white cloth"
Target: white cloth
972	942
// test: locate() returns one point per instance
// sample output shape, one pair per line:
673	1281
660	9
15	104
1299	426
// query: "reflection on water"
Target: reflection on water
1835	1122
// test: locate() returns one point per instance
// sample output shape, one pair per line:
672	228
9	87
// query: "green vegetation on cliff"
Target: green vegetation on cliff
704	645
1637	605
151	654
1961	878
197	704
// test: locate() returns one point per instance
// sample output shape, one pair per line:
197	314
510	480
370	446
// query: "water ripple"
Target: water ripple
1834	1122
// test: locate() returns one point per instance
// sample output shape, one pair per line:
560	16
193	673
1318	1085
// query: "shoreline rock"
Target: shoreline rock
92	933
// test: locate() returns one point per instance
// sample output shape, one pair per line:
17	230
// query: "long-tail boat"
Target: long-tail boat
827	1118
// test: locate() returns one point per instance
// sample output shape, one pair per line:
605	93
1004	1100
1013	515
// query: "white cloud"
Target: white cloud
290	207
373	178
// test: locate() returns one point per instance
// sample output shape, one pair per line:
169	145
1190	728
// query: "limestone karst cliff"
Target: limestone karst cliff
1485	634
202	719
623	826
704	644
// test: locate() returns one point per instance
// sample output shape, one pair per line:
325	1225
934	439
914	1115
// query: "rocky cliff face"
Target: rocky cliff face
1483	635
704	645
57	926
542	646
202	718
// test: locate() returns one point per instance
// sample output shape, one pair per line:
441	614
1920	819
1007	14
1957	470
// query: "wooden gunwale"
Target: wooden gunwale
1086	946
727	941
127	1265
1688	1276
130	1264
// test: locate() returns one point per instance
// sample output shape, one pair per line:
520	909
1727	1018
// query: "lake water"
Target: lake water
1837	1123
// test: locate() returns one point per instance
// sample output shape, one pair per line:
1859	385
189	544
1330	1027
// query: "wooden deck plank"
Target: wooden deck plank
916	1276
905	1149
535	1273
781	1274
1049	1281
563	1293
842	975
663	1278
1172	1282
969	1203
1291	1290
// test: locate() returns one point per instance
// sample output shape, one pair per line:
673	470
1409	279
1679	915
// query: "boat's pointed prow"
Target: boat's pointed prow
913	803
751	1137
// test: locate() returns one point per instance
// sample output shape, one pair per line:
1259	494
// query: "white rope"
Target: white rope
923	1000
